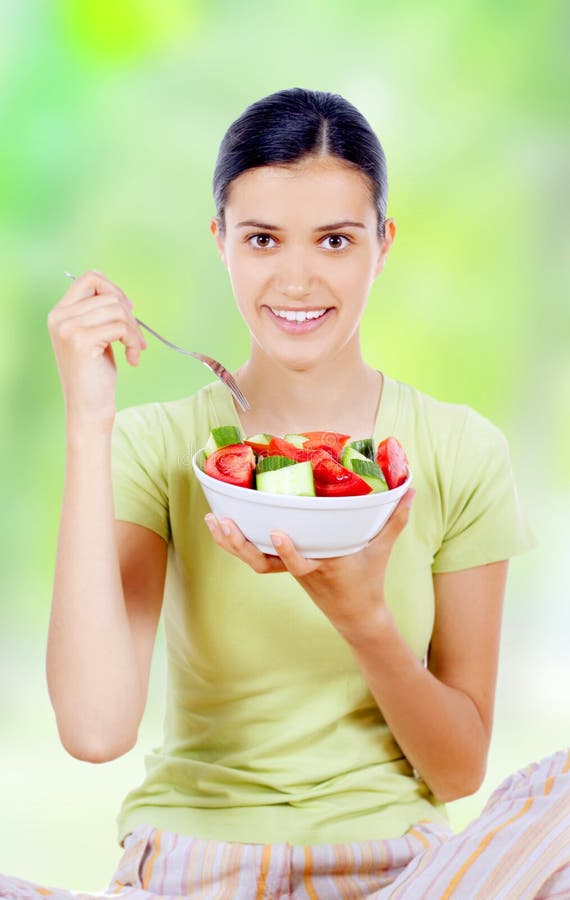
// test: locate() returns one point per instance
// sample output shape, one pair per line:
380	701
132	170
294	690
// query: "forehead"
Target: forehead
300	192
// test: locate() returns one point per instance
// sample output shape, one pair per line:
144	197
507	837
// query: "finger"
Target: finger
98	325
97	338
397	519
297	564
90	283
99	309
226	533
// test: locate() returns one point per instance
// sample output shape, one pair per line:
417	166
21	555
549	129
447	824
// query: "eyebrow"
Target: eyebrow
331	227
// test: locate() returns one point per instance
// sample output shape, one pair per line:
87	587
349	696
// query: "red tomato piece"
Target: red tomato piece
334	480
279	447
333	441
392	460
234	464
349	488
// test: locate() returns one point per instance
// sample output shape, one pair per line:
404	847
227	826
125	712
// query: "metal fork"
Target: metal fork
216	367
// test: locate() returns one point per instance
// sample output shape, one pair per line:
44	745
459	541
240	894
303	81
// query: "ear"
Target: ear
384	245
215	229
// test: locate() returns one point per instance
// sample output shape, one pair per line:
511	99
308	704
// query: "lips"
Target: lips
294	327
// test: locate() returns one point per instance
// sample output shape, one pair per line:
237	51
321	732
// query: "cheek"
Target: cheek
240	277
245	274
247	291
250	291
349	280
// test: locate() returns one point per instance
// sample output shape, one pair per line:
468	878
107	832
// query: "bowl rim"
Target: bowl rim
358	501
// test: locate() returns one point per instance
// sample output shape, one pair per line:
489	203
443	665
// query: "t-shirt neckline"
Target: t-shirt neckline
225	413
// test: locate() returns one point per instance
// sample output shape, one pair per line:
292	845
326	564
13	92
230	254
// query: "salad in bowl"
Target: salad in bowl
329	493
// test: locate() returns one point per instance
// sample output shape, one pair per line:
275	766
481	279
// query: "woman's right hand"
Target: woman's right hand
82	325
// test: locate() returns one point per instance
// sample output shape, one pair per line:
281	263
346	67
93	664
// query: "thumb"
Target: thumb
398	519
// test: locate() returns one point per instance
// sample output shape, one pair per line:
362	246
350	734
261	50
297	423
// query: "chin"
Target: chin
295	357
297	363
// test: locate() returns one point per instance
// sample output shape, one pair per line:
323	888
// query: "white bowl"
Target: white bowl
318	526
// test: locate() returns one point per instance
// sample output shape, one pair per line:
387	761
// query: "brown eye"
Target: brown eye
255	237
338	237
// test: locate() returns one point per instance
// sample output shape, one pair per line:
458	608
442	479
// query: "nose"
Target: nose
293	277
295	291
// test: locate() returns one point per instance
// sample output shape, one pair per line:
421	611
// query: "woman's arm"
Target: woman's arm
442	716
107	596
108	582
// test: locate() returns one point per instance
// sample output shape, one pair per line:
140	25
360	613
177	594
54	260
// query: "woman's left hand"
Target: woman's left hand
348	589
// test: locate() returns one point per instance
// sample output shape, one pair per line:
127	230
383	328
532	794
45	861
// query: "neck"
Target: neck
335	395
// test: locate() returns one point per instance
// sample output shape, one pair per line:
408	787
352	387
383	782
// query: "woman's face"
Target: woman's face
286	252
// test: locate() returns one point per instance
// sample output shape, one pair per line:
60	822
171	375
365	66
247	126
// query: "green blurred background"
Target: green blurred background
112	115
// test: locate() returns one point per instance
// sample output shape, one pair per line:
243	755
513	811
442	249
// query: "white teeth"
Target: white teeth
293	316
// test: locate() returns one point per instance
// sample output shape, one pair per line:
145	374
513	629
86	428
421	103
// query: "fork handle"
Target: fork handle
164	341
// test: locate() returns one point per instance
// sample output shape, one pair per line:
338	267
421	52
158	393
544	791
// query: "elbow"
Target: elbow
458	785
450	793
95	751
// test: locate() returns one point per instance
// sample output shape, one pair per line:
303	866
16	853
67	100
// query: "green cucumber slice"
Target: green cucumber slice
296	479
364	446
222	436
348	454
272	463
296	439
370	472
366	468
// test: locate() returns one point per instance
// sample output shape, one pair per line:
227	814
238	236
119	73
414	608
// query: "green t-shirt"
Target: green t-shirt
271	733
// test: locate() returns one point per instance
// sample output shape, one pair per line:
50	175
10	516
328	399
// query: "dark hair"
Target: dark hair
294	124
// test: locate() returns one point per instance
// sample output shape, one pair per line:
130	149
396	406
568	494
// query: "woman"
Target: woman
317	720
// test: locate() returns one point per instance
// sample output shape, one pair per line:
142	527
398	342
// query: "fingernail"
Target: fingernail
210	521
225	528
276	540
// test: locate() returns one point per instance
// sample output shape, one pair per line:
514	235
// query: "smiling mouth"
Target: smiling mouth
299	315
287	319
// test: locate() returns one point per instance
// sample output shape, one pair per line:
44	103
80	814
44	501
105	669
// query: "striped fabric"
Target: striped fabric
517	849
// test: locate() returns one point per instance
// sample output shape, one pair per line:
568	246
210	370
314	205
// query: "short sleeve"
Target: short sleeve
138	469
483	520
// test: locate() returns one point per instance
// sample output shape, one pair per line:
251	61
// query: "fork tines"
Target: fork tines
228	379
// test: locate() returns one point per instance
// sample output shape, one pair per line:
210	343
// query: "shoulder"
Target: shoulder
169	429
460	452
447	426
139	430
141	417
163	413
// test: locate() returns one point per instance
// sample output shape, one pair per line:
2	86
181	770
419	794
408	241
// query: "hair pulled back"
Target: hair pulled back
294	124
